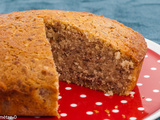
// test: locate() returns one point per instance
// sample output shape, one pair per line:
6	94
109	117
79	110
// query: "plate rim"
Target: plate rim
153	46
156	48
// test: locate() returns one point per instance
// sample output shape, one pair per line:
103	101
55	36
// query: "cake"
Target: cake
41	47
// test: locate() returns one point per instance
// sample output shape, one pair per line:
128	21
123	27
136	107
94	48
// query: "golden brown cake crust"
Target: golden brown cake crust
28	80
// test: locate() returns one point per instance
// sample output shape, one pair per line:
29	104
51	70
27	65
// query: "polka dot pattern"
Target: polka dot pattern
146	56
115	111
153	68
139	84
140	108
89	112
98	103
59	97
133	118
132	92
106	94
90	104
68	88
63	114
146	76
83	96
123	101
148	99
73	105
156	90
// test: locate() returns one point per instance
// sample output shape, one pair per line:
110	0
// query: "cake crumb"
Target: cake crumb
107	111
26	45
68	81
96	111
116	106
143	97
110	93
123	116
6	58
46	67
132	95
117	55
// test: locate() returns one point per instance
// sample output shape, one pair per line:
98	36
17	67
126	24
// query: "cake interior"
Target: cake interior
90	63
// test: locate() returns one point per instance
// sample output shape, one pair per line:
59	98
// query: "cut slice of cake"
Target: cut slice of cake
28	80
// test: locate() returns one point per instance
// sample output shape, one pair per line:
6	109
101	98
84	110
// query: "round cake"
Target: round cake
41	47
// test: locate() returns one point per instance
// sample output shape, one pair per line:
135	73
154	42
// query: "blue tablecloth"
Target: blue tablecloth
141	15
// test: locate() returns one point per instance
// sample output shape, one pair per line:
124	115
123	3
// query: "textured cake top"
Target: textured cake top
112	32
23	42
26	59
118	35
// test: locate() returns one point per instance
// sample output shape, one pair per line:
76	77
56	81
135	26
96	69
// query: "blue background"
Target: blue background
141	15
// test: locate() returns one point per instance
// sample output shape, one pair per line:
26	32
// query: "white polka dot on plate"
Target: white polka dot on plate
139	84
89	112
148	99
140	108
153	68
68	88
146	76
63	114
106	119
115	111
73	105
146	56
132	118
98	103
123	101
158	61
106	94
156	90
59	97
83	96
132	92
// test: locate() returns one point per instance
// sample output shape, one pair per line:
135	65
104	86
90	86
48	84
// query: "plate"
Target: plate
80	103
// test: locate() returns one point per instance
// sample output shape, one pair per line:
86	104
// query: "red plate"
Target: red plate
80	103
